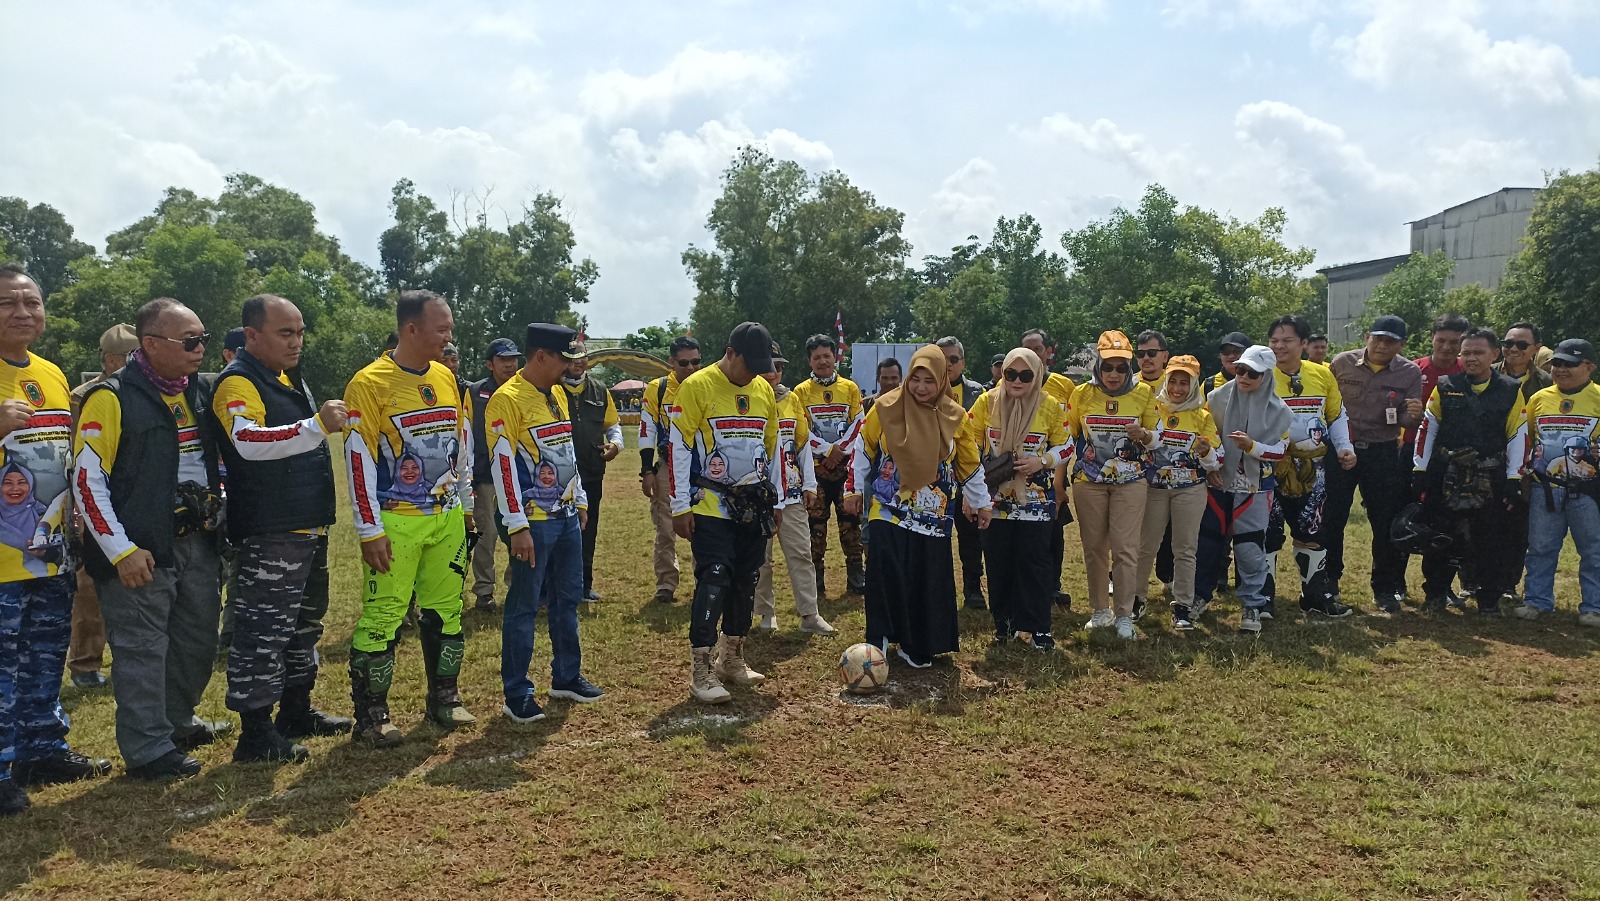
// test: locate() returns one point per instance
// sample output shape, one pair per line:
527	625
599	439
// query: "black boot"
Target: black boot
58	767
13	800
298	719
822	584
855	577
259	741
370	675
442	655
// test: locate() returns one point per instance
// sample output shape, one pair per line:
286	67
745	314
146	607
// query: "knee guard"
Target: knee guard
1258	538
715	583
1313	564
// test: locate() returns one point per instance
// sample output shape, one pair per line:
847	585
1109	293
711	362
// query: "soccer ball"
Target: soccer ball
863	669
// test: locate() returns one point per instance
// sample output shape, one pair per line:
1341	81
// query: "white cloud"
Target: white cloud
731	76
705	153
507	26
1236	13
1106	140
969	196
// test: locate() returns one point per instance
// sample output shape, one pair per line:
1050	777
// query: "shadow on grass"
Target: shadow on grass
720	725
665	619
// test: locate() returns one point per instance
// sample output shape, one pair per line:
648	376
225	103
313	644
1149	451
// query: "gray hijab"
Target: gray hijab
1261	414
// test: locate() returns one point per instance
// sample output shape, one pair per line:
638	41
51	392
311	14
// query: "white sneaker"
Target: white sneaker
769	624
1100	619
1125	628
816	625
1589	619
1526	612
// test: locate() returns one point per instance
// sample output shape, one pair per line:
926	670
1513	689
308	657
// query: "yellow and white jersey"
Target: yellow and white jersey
724	433
1312	395
1099	425
531	455
655	414
34	475
1030	500
1563	430
927	510
408	443
1060	388
237	405
833	413
1175	461
799	469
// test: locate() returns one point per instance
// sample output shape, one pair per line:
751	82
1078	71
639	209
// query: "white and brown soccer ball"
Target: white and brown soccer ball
863	669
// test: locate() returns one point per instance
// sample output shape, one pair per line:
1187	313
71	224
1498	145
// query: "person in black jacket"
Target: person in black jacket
148	486
504	361
281	503
597	438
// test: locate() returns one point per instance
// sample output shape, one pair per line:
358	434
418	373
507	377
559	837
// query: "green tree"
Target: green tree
1415	292
41	238
419	238
1555	280
655	339
102	293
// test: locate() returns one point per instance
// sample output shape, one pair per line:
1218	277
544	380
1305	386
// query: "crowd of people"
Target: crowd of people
153	509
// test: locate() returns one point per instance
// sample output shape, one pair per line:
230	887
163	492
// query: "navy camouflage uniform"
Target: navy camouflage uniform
35	626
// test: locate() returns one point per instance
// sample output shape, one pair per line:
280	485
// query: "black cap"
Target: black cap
753	342
451	351
777	354
503	347
1389	327
998	360
554	338
1236	339
1573	351
234	339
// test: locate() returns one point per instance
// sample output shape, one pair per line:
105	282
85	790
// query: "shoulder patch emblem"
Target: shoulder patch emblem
429	396
1172	422
179	414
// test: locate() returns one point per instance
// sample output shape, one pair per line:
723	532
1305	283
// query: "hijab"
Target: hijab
18	521
1096	377
1013	416
1261	414
918	435
1194	401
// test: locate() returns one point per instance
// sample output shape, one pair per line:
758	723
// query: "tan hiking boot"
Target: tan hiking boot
730	663
378	735
703	685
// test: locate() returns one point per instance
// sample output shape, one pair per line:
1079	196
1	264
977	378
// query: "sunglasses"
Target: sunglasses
1245	372
190	344
1297	385
1509	344
952	360
1562	364
684	364
1150	354
1109	368
1025	376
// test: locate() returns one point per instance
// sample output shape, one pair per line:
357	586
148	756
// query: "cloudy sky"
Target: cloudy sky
1355	115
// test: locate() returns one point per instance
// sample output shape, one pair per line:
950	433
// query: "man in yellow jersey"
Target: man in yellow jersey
832	404
1519	350
1563	435
543	509
36	578
655	459
1467	467
1319	424
86	654
149	489
724	499
1152	354
969	538
408	449
503	364
1058	388
1228	351
797	470
597	439
280	504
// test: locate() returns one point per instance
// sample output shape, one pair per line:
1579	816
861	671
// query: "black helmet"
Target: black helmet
1412	533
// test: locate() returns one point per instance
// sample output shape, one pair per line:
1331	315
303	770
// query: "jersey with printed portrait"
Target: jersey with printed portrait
926	510
407	439
724	433
792	437
1176	460
33	476
1099	426
833	413
532	457
1563	430
1031	499
1316	404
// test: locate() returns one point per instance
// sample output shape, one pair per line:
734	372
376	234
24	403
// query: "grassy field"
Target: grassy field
1404	757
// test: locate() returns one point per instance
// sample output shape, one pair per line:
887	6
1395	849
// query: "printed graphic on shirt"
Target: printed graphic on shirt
1173	461
1106	453
724	433
33	474
739	457
790	451
1308	429
924	511
406	438
534	460
1565	426
191	450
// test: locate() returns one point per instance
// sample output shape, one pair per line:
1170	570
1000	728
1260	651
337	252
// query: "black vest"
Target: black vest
267	497
587	410
479	393
144	480
1472	419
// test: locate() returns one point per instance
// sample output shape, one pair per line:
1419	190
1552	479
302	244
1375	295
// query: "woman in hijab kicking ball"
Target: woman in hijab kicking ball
911	586
1021	441
1255	434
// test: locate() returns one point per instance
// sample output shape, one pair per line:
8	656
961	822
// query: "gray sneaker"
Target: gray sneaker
1250	620
1526	612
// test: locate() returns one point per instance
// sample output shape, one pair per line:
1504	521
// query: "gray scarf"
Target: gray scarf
1127	383
1261	414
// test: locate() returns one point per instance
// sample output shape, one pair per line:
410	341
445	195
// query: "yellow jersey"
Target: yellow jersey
1032	499
1312	395
531	454
1563	430
927	510
799	471
35	472
722	433
1433	418
1177	459
833	413
656	412
408	443
1099	426
1060	388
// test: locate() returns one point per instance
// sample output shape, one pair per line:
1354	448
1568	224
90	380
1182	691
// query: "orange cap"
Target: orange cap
1184	363
1114	345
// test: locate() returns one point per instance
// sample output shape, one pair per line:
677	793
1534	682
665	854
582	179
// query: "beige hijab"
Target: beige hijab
915	434
1013	416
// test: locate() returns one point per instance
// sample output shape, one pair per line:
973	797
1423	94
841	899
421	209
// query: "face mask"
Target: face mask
571	382
826	381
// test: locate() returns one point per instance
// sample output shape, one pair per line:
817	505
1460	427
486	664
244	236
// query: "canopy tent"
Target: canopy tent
636	363
628	385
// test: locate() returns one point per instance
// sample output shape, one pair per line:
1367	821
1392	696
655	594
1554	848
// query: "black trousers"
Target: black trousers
1020	579
911	592
727	564
594	489
1058	537
1383	479
970	547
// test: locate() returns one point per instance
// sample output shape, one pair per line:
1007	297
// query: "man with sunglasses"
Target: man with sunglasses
1059	389
969	541
1152	355
1382	396
1228	351
655	457
833	411
1318	426
149	488
1519	354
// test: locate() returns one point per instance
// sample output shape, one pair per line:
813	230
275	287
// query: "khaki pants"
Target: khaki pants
666	549
87	652
794	535
483	511
1111	524
1183	508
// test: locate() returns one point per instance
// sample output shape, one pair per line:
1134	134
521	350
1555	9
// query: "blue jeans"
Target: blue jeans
1547	529
555	580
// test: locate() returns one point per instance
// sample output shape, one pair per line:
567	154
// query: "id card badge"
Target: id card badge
1391	416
